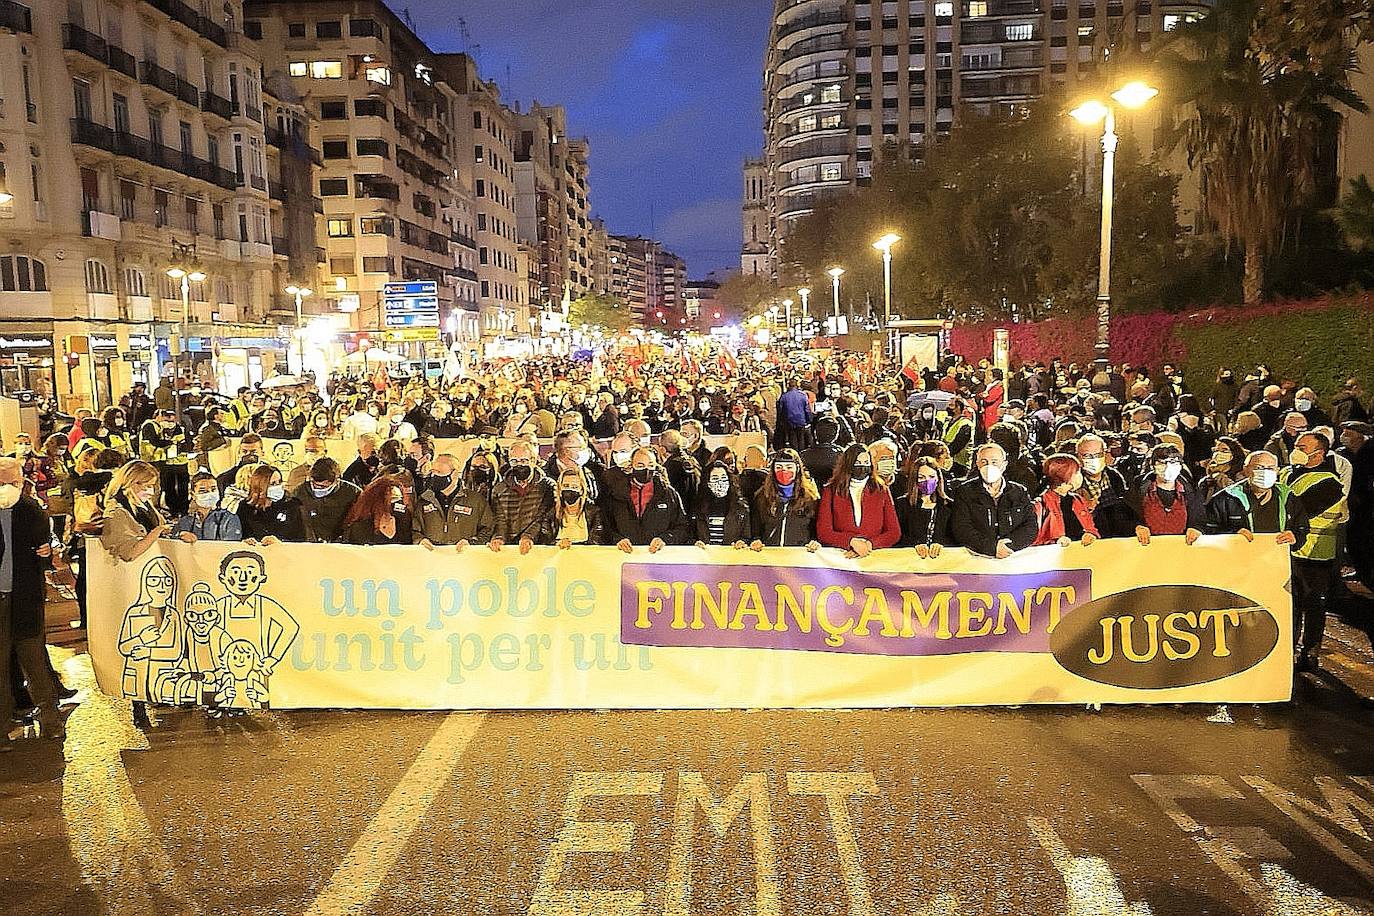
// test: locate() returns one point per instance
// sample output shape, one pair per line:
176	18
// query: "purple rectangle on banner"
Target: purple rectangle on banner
836	610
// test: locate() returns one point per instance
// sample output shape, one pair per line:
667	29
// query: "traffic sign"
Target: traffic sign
395	335
413	304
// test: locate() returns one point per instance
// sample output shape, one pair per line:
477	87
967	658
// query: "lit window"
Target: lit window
1020	31
830	171
297	68
326	69
1084	31
806	123
944	9
380	75
830	94
340	228
977	9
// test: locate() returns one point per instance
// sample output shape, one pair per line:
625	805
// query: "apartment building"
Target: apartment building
842	78
486	136
132	140
389	185
599	254
650	278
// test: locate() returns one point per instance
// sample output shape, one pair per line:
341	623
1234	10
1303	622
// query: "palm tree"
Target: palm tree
1252	123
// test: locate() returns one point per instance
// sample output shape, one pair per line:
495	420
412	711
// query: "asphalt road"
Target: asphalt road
1032	811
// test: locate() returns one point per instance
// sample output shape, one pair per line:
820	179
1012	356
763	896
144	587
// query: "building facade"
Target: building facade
754	257
134	141
650	278
843	79
392	196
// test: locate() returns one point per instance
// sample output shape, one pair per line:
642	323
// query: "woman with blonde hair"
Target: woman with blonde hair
132	520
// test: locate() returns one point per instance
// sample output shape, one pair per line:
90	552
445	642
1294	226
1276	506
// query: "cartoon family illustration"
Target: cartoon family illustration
206	651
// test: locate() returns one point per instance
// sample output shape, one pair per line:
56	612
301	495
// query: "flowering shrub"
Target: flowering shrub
1318	341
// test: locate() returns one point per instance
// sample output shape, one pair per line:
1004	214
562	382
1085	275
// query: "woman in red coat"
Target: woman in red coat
1062	509
856	512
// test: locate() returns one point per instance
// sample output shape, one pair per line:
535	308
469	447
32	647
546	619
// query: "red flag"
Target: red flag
912	372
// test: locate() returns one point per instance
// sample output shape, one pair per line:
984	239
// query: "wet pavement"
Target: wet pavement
1174	810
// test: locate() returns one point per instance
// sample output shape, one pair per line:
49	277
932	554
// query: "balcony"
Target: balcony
15	17
319	204
813	21
276	191
95	224
216	105
822	45
188	93
384	190
275	137
122	61
255	251
75	38
813	149
213	31
150	74
89	133
280	245
320	256
813	74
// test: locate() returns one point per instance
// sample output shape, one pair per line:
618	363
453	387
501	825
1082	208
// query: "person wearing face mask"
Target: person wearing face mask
958	436
577	520
856	512
1061	510
1223	468
1317	487
650	512
523	501
925	511
252	451
604	422
1195	431
206	520
212	434
481	472
444	422
117	434
362	421
1270	409
1225	395
313	449
363	468
1282	442
743	419
1259	504
571	453
785	506
1165	502
165	445
1347	406
992	515
448	513
722	515
269	514
694	442
380	515
325	499
1136	462
1305	403
683	471
419	454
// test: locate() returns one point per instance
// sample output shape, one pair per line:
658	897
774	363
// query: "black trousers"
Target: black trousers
29	655
176	488
1312	584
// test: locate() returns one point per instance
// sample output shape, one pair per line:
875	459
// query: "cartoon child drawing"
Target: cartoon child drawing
242	685
195	675
150	636
248	615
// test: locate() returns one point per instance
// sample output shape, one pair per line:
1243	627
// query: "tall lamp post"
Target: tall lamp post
805	293
300	292
787	313
186	268
1134	94
884	245
835	274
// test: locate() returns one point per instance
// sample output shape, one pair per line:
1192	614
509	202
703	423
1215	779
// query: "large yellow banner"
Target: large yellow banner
306	626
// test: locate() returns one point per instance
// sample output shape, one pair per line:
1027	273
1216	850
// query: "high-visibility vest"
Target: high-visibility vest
1325	525
965	455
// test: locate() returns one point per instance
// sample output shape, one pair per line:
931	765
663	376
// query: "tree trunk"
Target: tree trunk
1252	285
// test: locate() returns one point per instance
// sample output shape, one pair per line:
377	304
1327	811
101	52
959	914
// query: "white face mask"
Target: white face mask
275	492
1094	465
621	458
207	500
719	487
9	495
1264	478
1169	472
991	473
1303	405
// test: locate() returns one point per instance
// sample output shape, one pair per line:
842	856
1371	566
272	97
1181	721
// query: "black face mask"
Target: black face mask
250	459
642	475
521	472
571	497
860	473
440	481
481	475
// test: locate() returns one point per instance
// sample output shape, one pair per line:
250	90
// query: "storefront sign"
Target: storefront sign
321	626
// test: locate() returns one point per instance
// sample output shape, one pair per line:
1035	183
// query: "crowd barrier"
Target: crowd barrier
331	626
342	451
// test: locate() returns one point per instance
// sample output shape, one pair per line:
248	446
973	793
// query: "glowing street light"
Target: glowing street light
186	268
1134	94
300	292
805	293
884	245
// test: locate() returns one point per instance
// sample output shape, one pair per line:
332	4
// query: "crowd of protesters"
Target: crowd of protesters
832	452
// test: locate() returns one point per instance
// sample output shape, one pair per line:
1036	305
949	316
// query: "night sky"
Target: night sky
668	92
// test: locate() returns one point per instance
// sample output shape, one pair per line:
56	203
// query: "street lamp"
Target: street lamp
300	292
835	274
805	293
772	317
1134	94
186	268
884	245
787	308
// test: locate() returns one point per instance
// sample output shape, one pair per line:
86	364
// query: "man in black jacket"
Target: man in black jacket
325	500
992	515
1259	504
1105	489
24	555
650	513
820	457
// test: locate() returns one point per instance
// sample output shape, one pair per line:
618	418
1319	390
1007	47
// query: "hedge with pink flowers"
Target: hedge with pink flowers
1319	342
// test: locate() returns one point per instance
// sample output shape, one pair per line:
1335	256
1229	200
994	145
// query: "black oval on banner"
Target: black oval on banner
1161	636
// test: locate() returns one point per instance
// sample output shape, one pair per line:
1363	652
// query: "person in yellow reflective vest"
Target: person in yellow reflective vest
165	445
1311	479
958	435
